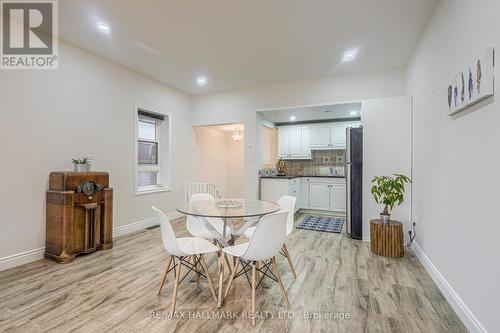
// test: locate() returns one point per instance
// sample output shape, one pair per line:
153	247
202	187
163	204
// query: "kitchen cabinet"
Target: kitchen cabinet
272	189
316	193
338	134
330	136
338	197
283	142
320	136
294	142
327	194
319	196
304	192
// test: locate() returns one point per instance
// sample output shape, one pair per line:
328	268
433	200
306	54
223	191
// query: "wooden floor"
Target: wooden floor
115	290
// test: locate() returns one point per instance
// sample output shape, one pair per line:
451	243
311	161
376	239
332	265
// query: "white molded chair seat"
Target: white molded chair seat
237	250
195	245
287	204
196	228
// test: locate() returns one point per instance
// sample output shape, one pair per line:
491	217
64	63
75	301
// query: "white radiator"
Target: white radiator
191	188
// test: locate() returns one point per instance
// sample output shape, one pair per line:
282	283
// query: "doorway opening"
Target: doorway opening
221	157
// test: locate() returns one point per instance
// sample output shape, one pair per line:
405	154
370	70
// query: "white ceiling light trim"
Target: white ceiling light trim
349	55
103	27
201	81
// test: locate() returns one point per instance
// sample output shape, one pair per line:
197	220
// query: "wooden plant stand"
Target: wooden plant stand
387	239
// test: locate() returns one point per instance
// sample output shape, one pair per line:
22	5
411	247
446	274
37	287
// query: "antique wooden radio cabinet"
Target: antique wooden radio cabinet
79	214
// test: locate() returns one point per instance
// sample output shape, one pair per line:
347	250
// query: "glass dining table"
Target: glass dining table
228	210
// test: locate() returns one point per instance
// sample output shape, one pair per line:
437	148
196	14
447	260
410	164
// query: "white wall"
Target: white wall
386	150
220	160
240	106
49	117
269	146
456	162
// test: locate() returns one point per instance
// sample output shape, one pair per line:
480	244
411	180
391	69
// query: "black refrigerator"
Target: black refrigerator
354	182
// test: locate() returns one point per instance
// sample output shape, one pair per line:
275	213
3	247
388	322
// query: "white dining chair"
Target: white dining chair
197	229
265	243
287	204
180	249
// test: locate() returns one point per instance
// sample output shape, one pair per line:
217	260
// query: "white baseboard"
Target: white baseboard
462	310
37	254
21	258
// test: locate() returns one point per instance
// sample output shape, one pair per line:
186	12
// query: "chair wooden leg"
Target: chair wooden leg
231	279
176	285
196	267
257	269
285	250
228	263
254	273
221	278
169	261
209	278
280	282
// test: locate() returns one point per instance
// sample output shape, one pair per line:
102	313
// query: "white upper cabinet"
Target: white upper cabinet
320	136
306	141
294	142
283	142
330	136
338	133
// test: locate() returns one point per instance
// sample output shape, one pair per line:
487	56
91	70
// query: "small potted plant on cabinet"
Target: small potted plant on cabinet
389	191
81	164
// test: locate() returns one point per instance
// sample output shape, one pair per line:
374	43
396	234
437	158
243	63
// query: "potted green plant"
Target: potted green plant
389	191
81	164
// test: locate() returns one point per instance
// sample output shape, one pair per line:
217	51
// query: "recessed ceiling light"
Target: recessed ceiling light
292	118
103	27
349	55
201	81
353	113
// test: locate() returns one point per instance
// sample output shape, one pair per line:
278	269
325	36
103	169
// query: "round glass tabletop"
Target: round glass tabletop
229	208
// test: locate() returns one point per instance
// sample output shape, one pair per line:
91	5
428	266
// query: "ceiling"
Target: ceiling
238	44
311	113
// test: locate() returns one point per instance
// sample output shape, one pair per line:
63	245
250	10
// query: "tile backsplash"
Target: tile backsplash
322	163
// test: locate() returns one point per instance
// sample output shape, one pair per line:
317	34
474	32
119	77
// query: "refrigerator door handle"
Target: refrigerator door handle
348	179
348	197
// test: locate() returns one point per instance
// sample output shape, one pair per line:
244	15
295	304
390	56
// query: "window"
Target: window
152	147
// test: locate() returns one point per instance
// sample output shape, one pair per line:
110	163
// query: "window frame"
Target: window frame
164	140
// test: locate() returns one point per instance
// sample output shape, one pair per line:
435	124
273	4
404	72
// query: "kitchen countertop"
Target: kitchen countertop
305	176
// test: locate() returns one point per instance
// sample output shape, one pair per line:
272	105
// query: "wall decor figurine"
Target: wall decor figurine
479	75
462	95
450	93
477	81
455	95
471	85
